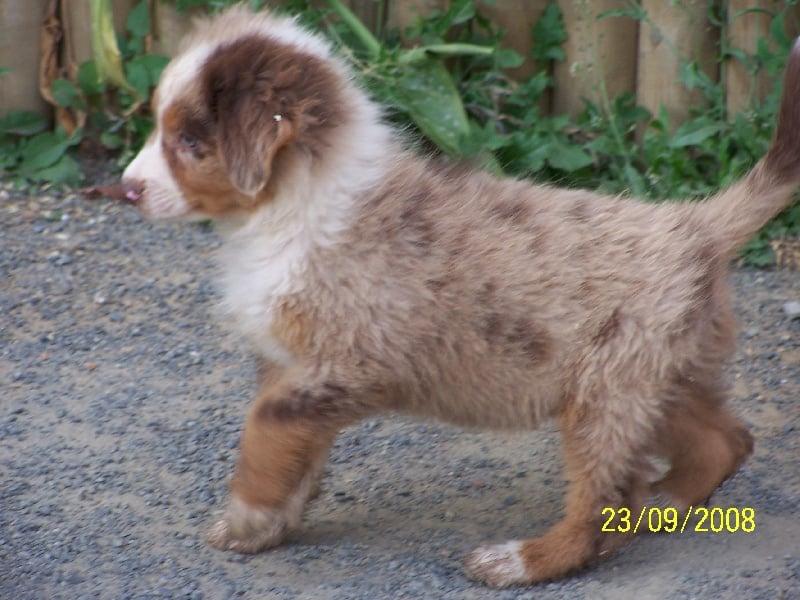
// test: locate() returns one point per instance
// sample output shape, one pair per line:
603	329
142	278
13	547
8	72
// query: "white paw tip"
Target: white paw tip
499	565
218	535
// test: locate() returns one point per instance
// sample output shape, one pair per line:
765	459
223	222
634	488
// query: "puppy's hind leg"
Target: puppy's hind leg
607	469
705	444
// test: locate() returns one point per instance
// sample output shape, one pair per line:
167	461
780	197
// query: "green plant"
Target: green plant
115	87
107	101
31	153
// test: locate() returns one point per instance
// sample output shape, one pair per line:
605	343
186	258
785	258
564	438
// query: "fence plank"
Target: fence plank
19	51
674	33
600	55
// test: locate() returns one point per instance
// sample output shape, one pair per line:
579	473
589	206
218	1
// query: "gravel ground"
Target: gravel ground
122	403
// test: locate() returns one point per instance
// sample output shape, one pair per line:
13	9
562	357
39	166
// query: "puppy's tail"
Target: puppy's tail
736	213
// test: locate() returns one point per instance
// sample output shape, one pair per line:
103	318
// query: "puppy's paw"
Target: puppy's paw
248	530
498	565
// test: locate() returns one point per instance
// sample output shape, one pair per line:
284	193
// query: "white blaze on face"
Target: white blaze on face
163	197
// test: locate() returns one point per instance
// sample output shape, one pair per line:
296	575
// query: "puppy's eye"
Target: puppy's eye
188	141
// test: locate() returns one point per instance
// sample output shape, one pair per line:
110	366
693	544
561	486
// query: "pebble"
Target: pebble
792	309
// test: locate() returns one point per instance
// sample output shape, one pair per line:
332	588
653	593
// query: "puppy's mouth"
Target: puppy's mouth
122	191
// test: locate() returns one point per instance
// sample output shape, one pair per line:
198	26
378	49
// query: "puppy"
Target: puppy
369	279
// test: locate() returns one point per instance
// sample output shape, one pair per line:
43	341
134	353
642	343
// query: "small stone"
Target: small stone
792	309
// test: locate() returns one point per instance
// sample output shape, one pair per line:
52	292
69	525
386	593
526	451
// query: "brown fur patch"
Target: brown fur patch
324	403
608	328
515	211
518	336
292	327
265	95
190	149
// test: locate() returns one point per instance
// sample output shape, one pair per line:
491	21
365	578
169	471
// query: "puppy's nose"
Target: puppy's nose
131	190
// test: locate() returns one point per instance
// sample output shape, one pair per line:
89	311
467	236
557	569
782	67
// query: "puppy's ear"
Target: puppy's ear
248	104
264	96
248	144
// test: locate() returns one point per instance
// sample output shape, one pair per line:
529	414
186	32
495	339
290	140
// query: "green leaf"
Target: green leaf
8	153
4	71
22	122
88	79
635	181
549	35
568	157
110	140
528	93
154	63
426	90
778	31
42	151
461	11
66	170
505	58
603	144
690	134
138	21
138	76
67	94
531	152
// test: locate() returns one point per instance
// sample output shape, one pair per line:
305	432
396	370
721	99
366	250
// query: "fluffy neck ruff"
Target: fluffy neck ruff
267	250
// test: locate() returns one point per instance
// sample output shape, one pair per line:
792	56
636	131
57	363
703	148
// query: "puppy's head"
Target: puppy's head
249	100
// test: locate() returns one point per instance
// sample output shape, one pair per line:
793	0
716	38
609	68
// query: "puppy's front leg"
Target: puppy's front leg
280	462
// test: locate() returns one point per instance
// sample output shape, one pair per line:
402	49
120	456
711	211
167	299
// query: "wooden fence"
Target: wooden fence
604	56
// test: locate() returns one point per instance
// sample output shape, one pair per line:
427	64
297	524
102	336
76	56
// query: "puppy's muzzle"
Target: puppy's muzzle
125	191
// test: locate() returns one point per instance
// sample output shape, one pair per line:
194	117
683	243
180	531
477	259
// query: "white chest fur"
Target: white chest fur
266	258
258	268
